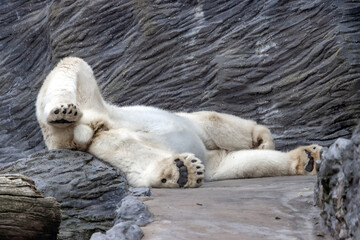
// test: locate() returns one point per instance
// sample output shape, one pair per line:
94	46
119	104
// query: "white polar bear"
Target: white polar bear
151	146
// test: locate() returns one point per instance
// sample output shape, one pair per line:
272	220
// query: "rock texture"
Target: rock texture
88	190
337	190
292	65
24	213
131	215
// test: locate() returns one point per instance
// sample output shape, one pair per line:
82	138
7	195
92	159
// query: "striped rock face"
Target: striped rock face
292	66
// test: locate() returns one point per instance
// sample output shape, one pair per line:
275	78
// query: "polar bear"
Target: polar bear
153	147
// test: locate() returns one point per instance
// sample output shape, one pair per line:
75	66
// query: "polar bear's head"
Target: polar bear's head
308	156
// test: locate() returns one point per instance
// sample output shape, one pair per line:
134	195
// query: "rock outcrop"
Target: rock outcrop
337	190
292	65
131	215
88	189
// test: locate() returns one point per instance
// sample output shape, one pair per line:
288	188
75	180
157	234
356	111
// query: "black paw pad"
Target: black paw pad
179	163
183	173
61	121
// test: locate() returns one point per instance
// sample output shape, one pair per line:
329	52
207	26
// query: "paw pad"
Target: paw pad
63	114
183	173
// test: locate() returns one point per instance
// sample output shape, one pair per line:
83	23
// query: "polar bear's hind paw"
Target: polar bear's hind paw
64	114
195	171
183	173
186	171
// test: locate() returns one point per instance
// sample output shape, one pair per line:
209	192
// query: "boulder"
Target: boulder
337	191
131	215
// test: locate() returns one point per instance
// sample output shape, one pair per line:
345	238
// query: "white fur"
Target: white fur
263	163
146	142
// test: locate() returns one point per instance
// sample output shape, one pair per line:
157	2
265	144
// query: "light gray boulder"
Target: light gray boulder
337	191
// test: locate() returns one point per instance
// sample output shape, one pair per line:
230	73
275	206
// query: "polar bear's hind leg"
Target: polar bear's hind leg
67	94
262	138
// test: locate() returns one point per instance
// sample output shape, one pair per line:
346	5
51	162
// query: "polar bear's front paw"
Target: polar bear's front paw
187	171
64	115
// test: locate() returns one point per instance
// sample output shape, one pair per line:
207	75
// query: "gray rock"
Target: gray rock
88	189
133	210
131	214
337	191
292	65
121	231
140	192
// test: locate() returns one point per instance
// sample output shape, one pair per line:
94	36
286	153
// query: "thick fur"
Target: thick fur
152	146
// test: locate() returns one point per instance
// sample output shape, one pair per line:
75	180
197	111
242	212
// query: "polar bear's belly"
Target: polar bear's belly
184	141
177	137
162	127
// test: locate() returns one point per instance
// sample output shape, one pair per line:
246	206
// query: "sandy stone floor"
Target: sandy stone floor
263	208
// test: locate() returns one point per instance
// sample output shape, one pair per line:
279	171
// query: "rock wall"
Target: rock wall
292	65
337	191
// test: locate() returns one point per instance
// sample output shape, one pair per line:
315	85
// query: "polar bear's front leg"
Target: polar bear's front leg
181	170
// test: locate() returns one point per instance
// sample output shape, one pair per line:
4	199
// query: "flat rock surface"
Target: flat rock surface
262	208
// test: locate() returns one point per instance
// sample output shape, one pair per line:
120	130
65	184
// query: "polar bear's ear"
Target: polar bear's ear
310	164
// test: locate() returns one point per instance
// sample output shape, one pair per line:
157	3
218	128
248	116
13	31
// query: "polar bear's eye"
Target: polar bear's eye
314	148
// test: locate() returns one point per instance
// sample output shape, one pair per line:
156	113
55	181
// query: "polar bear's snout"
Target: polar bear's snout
310	164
